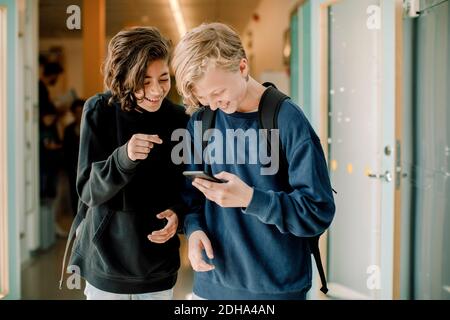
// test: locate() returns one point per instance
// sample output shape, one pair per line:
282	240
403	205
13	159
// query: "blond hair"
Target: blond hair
208	45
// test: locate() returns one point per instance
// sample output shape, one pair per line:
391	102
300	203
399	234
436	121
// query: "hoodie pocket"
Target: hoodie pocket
100	224
121	248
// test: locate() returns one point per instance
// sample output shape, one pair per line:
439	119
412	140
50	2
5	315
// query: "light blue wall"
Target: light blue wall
431	153
306	15
13	234
294	63
301	58
315	63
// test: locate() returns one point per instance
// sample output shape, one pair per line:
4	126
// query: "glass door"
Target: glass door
361	106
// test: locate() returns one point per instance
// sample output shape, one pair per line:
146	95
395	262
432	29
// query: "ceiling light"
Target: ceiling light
178	15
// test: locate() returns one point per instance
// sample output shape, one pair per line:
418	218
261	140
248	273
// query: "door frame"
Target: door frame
301	39
398	265
12	271
27	132
4	267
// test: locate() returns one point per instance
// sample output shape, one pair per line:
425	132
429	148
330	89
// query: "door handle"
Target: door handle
387	176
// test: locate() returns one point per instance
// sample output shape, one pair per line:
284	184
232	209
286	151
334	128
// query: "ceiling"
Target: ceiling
121	13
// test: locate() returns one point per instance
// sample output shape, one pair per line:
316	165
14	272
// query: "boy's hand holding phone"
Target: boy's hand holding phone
201	174
233	193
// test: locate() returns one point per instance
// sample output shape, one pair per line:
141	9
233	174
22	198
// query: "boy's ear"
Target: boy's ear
243	67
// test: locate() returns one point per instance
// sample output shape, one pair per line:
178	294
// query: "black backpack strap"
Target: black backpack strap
208	118
271	101
314	247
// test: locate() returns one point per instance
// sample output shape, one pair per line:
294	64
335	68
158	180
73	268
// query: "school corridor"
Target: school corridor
371	76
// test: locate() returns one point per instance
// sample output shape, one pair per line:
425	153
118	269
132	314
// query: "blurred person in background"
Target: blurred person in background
50	149
71	147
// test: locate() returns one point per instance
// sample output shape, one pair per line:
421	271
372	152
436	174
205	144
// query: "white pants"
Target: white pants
196	297
92	293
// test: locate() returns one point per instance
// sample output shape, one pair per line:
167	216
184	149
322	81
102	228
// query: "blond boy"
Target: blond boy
254	227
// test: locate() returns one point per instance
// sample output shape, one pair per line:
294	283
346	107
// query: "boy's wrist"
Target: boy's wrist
125	163
248	197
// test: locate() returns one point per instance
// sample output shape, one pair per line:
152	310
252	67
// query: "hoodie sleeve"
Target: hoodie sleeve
193	198
179	206
309	208
101	173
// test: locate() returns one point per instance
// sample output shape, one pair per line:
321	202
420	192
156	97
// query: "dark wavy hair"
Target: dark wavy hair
129	54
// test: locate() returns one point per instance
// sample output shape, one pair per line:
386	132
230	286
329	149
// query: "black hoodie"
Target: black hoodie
122	198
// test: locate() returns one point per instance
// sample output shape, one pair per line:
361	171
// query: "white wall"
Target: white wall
267	37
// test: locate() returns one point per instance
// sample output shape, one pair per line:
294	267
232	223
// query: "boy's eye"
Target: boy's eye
218	93
160	80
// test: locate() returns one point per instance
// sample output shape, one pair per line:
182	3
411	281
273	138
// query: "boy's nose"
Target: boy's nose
156	90
218	104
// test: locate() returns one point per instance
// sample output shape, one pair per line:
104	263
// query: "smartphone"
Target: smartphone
203	175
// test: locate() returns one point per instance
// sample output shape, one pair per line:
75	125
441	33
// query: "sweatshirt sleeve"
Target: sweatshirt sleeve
194	218
308	209
101	174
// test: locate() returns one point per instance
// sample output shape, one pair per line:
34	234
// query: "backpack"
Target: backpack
268	119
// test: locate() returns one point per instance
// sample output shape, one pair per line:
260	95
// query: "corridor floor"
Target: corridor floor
40	276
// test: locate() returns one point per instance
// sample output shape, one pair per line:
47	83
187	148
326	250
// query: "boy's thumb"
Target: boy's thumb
208	249
163	214
223	175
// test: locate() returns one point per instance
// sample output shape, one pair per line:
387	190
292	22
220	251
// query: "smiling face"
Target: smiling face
136	67
211	68
156	86
222	89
